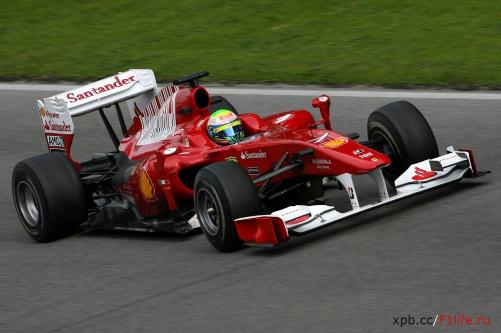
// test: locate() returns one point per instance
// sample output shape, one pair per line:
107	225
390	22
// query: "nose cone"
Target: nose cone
354	154
374	157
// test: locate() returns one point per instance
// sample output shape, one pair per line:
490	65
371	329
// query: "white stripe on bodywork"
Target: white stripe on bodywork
319	139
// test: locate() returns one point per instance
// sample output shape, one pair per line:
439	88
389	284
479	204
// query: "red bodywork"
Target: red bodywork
163	179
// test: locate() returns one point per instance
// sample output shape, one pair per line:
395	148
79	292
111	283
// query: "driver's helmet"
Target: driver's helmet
225	128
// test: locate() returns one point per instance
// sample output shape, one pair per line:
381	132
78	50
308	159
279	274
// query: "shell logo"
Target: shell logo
335	143
42	112
146	186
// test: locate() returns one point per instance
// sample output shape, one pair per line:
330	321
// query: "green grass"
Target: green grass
384	42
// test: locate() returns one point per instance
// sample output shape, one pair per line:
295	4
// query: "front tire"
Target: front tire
403	134
223	193
49	197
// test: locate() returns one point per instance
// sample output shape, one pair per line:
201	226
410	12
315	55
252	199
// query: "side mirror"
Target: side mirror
323	103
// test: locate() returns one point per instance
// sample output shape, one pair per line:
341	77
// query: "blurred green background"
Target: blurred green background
385	42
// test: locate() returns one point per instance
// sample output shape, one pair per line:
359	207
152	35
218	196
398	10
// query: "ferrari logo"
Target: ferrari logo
42	112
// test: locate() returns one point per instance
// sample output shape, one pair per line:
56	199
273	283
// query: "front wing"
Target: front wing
270	230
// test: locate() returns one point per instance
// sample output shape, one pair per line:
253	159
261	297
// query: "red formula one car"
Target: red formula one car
168	175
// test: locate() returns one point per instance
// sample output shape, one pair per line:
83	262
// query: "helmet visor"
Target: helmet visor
229	133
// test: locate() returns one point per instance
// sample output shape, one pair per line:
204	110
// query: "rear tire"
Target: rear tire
404	134
49	196
223	193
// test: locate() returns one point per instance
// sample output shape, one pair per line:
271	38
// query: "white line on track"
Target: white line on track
358	93
374	93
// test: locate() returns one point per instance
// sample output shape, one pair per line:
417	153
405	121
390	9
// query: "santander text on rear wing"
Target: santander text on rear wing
111	90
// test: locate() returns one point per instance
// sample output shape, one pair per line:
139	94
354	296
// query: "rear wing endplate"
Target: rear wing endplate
57	125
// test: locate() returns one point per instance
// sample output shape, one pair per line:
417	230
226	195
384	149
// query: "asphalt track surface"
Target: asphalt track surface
437	253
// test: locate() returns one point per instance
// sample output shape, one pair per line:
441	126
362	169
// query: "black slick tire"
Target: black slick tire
224	192
49	196
403	134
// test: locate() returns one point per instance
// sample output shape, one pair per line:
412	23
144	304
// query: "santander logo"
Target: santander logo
117	82
57	127
421	174
252	155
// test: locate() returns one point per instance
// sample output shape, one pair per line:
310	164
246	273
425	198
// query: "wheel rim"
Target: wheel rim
28	204
386	147
209	212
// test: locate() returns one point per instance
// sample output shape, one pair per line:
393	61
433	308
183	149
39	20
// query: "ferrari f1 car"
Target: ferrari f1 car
166	174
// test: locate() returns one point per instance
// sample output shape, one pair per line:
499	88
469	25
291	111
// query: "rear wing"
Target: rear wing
114	89
56	112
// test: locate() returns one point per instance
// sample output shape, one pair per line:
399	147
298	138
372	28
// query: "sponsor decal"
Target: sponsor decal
231	159
299	219
55	141
55	116
375	159
46	114
321	163
116	83
446	157
358	151
421	174
361	153
146	186
366	155
253	171
293	211
351	193
52	127
335	143
253	155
